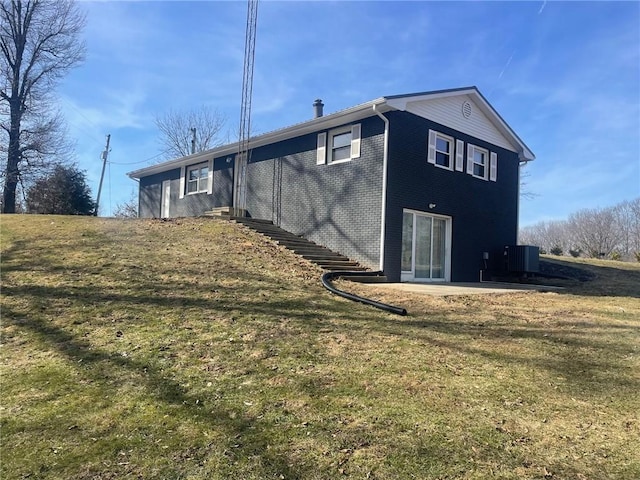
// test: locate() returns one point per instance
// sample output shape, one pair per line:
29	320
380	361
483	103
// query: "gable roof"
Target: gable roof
406	102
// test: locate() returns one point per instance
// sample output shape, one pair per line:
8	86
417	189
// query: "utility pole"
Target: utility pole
193	141
104	164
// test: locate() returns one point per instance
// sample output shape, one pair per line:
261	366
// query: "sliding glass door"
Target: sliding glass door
425	247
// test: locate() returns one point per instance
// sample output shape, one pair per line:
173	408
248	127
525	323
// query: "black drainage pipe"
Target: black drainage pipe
326	282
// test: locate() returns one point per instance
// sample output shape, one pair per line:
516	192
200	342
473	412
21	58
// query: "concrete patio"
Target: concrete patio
443	288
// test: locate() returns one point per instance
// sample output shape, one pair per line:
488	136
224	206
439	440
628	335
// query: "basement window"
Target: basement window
198	178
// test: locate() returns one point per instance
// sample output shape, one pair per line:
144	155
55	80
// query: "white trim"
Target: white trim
199	188
210	176
383	208
355	141
471	151
182	182
321	149
470	159
165	199
410	276
401	102
349	115
451	154
493	167
459	155
431	147
354	147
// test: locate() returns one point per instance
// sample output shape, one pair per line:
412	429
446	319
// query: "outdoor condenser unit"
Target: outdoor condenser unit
522	258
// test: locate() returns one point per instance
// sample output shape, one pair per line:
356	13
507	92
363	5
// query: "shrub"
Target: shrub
556	250
575	253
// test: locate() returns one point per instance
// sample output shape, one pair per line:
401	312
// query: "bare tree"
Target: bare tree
549	236
627	216
177	130
525	191
128	208
39	43
612	231
595	231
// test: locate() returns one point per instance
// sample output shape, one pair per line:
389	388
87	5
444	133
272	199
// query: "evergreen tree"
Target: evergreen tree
63	192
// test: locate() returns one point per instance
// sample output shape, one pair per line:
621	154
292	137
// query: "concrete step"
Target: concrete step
319	253
321	256
253	221
317	257
294	241
218	212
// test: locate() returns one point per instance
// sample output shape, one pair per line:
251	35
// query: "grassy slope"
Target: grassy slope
198	350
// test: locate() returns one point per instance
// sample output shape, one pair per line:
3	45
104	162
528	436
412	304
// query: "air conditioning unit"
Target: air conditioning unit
522	258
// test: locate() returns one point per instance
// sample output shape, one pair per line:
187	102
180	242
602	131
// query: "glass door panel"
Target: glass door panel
407	242
423	247
438	248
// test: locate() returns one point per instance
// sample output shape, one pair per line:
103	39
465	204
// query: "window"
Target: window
477	161
340	147
198	178
343	145
440	151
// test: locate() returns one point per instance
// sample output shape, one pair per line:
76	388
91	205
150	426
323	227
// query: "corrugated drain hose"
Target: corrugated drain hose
326	282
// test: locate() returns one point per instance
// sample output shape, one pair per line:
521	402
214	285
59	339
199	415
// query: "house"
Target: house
421	186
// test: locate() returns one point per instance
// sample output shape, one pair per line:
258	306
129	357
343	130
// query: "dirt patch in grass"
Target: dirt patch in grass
198	349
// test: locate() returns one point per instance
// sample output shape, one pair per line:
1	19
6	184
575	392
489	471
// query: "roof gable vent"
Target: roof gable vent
466	109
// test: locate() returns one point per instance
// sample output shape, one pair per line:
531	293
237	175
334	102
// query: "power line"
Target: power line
139	161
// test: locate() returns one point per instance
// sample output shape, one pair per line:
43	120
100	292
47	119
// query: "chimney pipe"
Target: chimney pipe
317	108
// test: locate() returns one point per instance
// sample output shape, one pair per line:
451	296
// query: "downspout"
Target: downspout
522	162
383	209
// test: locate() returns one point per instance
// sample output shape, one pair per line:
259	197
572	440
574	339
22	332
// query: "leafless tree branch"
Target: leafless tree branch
176	130
39	43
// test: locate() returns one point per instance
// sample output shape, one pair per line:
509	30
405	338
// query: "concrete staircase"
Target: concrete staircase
321	256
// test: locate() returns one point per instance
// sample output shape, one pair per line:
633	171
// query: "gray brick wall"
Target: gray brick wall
334	205
150	193
339	205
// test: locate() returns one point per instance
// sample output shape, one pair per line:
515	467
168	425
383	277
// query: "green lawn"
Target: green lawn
196	349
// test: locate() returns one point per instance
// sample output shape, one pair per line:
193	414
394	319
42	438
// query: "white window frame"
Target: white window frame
451	154
200	188
409	276
354	130
471	161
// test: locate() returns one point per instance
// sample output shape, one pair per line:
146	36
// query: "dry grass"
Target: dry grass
196	349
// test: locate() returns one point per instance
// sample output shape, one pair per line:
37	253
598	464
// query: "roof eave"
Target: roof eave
327	121
400	102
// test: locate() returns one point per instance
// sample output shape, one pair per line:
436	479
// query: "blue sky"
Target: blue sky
564	75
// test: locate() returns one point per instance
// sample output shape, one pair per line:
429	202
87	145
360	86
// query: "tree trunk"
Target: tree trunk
13	160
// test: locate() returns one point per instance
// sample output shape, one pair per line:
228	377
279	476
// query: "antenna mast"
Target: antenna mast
240	200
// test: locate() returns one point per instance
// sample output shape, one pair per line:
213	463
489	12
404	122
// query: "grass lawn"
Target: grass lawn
196	349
